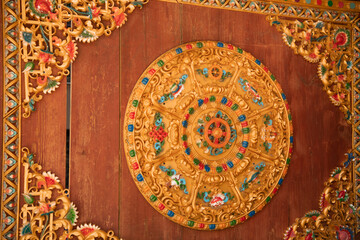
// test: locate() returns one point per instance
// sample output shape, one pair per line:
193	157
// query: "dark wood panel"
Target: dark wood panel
94	136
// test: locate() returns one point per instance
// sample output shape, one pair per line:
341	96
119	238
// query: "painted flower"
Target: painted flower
43	6
344	233
342	196
71	49
341	77
56	41
86	229
119	16
45	208
95	11
289	234
45	57
312	55
309	237
217	200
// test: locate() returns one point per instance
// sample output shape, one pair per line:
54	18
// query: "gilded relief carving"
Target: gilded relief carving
208	135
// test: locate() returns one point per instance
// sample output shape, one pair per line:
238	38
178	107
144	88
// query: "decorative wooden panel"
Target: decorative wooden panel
102	79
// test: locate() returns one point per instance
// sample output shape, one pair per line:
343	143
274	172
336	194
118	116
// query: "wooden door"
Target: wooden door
102	79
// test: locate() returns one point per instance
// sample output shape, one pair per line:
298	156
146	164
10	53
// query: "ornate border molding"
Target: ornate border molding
30	35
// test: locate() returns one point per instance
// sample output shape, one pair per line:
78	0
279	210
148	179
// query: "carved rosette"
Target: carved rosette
208	135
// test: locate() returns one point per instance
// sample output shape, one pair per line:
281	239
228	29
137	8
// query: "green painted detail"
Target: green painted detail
290	117
191	110
212	99
240	50
190	223
288	161
268	199
289	39
196	161
330	3
28	198
240	155
153	198
219	169
233	222
199	44
272	77
135	103
160	63
234	107
246	130
184	137
132	153
71	216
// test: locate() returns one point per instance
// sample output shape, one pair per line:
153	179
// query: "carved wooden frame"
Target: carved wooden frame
324	32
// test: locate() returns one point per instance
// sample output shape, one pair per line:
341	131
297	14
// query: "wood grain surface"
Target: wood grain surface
103	77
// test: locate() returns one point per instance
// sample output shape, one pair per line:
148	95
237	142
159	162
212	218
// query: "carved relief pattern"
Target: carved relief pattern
285	8
337	216
329	45
47	212
225	135
48	32
11	122
356	123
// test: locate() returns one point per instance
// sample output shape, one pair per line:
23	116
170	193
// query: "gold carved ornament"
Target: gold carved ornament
208	135
49	31
329	45
47	212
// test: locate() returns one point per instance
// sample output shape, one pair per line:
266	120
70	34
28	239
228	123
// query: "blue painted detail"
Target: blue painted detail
242	118
187	151
281	181
178	50
245	144
184	123
220	44
224	100
145	81
212	226
140	177
200	102
258	61
291	139
252	213
170	213
283	96
130	127
207	168
230	164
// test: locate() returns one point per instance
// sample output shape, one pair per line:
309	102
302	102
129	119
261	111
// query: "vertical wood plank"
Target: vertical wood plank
94	132
44	132
146	35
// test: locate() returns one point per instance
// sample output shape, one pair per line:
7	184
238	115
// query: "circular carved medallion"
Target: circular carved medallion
208	135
